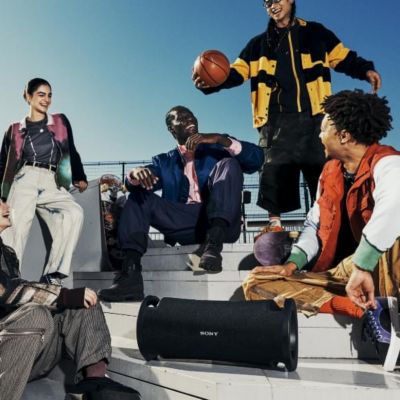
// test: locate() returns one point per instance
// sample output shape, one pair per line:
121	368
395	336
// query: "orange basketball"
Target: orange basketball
212	66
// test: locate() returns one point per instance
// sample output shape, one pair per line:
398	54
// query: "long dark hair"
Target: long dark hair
33	84
272	35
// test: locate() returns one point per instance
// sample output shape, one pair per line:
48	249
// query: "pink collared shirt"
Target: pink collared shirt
190	172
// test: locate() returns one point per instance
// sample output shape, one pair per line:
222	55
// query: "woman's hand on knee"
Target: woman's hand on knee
90	298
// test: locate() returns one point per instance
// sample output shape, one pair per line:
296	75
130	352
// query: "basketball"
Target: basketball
212	67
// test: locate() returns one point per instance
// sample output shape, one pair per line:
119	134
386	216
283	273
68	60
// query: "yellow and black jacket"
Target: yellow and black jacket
319	49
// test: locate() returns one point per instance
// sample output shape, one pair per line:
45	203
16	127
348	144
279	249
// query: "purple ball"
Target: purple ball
272	248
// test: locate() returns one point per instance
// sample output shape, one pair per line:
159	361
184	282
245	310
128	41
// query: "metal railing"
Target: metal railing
254	216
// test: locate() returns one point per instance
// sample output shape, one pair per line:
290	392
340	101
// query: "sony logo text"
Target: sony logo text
208	333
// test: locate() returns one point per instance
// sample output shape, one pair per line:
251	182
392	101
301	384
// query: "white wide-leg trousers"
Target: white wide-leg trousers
34	190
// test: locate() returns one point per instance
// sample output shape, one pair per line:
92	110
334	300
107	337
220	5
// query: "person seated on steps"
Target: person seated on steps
201	181
39	321
38	164
350	237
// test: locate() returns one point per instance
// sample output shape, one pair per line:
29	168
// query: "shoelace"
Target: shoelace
50	280
54	281
373	325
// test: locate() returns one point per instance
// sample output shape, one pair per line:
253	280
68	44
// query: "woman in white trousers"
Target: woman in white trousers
38	163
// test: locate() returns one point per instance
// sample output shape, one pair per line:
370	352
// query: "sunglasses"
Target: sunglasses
268	3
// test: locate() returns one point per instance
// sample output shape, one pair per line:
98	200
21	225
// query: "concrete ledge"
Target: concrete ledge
314	379
234	257
182	284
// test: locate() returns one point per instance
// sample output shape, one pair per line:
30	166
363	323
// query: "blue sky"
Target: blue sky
117	66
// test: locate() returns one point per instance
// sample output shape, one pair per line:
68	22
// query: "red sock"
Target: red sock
343	306
97	370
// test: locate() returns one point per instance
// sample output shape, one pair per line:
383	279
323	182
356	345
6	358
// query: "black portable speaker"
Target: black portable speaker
251	332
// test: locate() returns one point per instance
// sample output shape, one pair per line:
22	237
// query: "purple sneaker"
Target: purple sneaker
378	321
378	328
379	325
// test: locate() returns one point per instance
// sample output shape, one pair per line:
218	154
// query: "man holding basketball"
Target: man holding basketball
201	182
293	58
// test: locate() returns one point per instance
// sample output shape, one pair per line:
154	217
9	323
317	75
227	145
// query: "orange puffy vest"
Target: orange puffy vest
359	201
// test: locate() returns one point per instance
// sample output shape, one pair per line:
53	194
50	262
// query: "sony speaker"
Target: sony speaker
250	332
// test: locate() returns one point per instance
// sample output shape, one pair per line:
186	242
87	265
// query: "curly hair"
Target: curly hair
365	116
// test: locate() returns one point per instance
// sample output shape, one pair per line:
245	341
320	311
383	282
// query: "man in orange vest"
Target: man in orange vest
354	224
350	241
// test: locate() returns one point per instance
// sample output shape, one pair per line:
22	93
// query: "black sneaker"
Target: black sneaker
211	259
103	389
52	279
127	286
195	257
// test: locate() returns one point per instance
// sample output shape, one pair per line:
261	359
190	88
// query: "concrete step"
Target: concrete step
234	257
166	274
44	389
121	320
328	348
52	386
313	379
176	282
182	284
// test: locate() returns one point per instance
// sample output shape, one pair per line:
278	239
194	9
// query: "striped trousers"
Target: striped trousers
32	342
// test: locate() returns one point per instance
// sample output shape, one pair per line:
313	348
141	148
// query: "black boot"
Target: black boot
195	257
127	284
103	389
211	259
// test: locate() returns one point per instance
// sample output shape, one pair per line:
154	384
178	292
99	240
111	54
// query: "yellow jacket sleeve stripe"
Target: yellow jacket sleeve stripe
338	54
242	68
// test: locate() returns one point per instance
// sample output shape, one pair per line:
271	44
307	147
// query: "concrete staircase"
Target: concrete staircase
334	361
166	274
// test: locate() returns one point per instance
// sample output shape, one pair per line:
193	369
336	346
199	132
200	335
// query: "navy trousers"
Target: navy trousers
184	223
